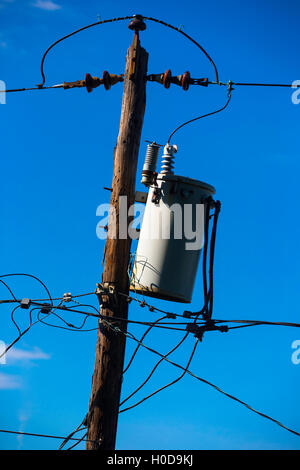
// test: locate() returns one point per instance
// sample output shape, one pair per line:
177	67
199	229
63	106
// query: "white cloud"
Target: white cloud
46	5
16	354
9	382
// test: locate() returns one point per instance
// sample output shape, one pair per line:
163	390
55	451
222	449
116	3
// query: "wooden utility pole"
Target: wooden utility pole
109	361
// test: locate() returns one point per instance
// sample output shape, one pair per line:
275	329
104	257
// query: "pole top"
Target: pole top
137	24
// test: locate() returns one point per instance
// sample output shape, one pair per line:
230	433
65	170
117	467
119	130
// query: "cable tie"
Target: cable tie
46	308
223	328
171	315
187	314
25	303
192	328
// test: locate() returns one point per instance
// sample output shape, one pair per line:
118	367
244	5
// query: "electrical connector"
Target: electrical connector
25	303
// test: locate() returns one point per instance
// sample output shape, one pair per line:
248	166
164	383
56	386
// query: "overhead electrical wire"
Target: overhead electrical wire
131	336
242	323
153	370
208	291
33	88
111	20
32	277
200	117
173	382
147	18
142	338
79	428
161	324
26	330
49	436
80	440
9	289
13	320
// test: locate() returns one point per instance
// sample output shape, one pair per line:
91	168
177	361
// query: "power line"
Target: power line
155	367
16	90
49	436
26	330
168	325
79	428
32	277
200	117
111	20
129	335
165	386
153	370
138	346
242	323
9	289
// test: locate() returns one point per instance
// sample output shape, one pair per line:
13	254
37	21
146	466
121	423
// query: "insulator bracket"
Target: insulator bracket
93	82
184	80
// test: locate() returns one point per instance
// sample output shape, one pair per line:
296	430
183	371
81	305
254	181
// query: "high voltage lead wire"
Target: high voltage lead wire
62	86
200	117
122	19
32	88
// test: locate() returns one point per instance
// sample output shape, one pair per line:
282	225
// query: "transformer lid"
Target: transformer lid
190	181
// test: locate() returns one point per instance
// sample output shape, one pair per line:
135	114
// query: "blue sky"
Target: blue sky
57	154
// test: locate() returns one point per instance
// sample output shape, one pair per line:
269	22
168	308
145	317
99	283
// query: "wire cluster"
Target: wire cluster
48	308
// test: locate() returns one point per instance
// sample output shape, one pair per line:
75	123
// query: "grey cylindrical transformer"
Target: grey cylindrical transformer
171	238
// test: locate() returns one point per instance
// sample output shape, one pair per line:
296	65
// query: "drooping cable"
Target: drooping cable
131	336
32	277
98	23
153	370
51	310
9	289
142	338
201	117
165	386
49	436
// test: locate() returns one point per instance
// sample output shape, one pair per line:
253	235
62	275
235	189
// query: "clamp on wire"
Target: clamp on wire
107	295
210	325
229	88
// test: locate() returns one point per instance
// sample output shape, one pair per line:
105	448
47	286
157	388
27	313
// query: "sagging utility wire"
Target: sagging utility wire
48	436
165	386
142	338
31	324
156	366
263	415
202	116
153	370
32	277
164	358
186	314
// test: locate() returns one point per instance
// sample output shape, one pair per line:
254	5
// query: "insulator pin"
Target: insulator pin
168	159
